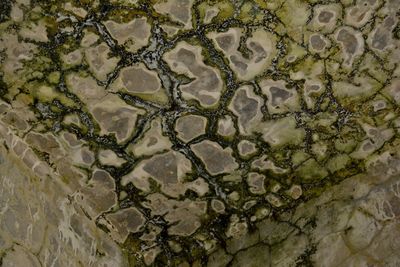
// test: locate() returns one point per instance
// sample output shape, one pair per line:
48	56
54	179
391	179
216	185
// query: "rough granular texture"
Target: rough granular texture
243	133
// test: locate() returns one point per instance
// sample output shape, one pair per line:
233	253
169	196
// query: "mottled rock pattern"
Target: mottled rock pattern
199	133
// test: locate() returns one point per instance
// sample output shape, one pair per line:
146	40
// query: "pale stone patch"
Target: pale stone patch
255	182
138	79
109	157
226	127
178	10
207	85
246	148
134	34
351	42
326	17
218	206
35	31
89	38
246	105
153	141
281	132
184	216
125	221
216	159
98	195
167	169
73	58
280	98
100	62
115	117
190	126
359	14
262	163
80	12
261	43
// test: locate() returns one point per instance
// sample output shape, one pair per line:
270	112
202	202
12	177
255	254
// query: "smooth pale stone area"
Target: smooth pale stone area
380	39
318	43
138	79
199	186
85	87
207	85
125	221
360	13
261	43
89	38
216	159
246	105
218	206
109	157
167	169
116	117
311	91
183	216
246	148
35	31
281	132
351	42
226	126
170	30
325	17
100	62
255	182
153	141
392	91
178	10
76	10
358	88
295	191
133	35
190	126
19	256
73	58
99	194
82	156
280	99
211	12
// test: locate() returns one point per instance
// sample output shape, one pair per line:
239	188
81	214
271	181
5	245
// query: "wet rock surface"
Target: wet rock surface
199	133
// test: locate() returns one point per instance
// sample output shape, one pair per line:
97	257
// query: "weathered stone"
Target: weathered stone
179	10
207	85
190	126
261	43
99	195
168	169
282	132
256	183
216	159
247	107
100	63
280	99
125	221
134	34
153	141
108	157
128	131
226	127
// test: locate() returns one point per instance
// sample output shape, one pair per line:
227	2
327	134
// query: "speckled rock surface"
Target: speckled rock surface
199	133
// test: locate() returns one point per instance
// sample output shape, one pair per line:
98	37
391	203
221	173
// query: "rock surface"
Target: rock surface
199	133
